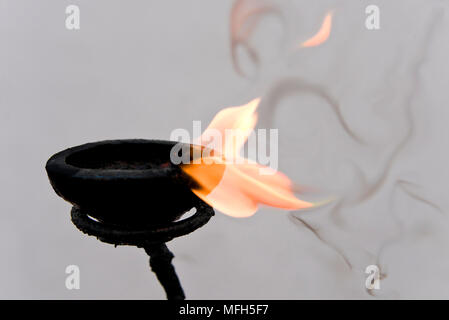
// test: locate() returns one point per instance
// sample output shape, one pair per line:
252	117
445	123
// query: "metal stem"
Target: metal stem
160	263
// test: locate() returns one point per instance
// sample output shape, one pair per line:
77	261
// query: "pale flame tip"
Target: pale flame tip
324	202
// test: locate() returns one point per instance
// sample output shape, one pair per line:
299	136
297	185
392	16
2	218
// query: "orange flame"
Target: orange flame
232	184
322	35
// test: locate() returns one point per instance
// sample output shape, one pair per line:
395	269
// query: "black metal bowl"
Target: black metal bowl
123	182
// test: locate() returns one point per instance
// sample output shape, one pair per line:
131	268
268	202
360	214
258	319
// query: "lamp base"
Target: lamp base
151	238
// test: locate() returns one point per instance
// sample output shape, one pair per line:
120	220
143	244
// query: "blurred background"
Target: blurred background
364	115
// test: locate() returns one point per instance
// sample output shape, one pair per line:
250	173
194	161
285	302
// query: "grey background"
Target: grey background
143	68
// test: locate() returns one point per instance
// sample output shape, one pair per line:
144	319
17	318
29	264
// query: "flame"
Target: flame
232	184
322	35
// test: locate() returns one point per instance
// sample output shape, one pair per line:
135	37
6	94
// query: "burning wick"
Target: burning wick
322	35
232	184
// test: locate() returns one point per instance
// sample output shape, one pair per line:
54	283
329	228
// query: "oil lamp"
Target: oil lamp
128	192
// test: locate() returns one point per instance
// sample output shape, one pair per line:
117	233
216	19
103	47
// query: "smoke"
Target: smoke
246	16
374	162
